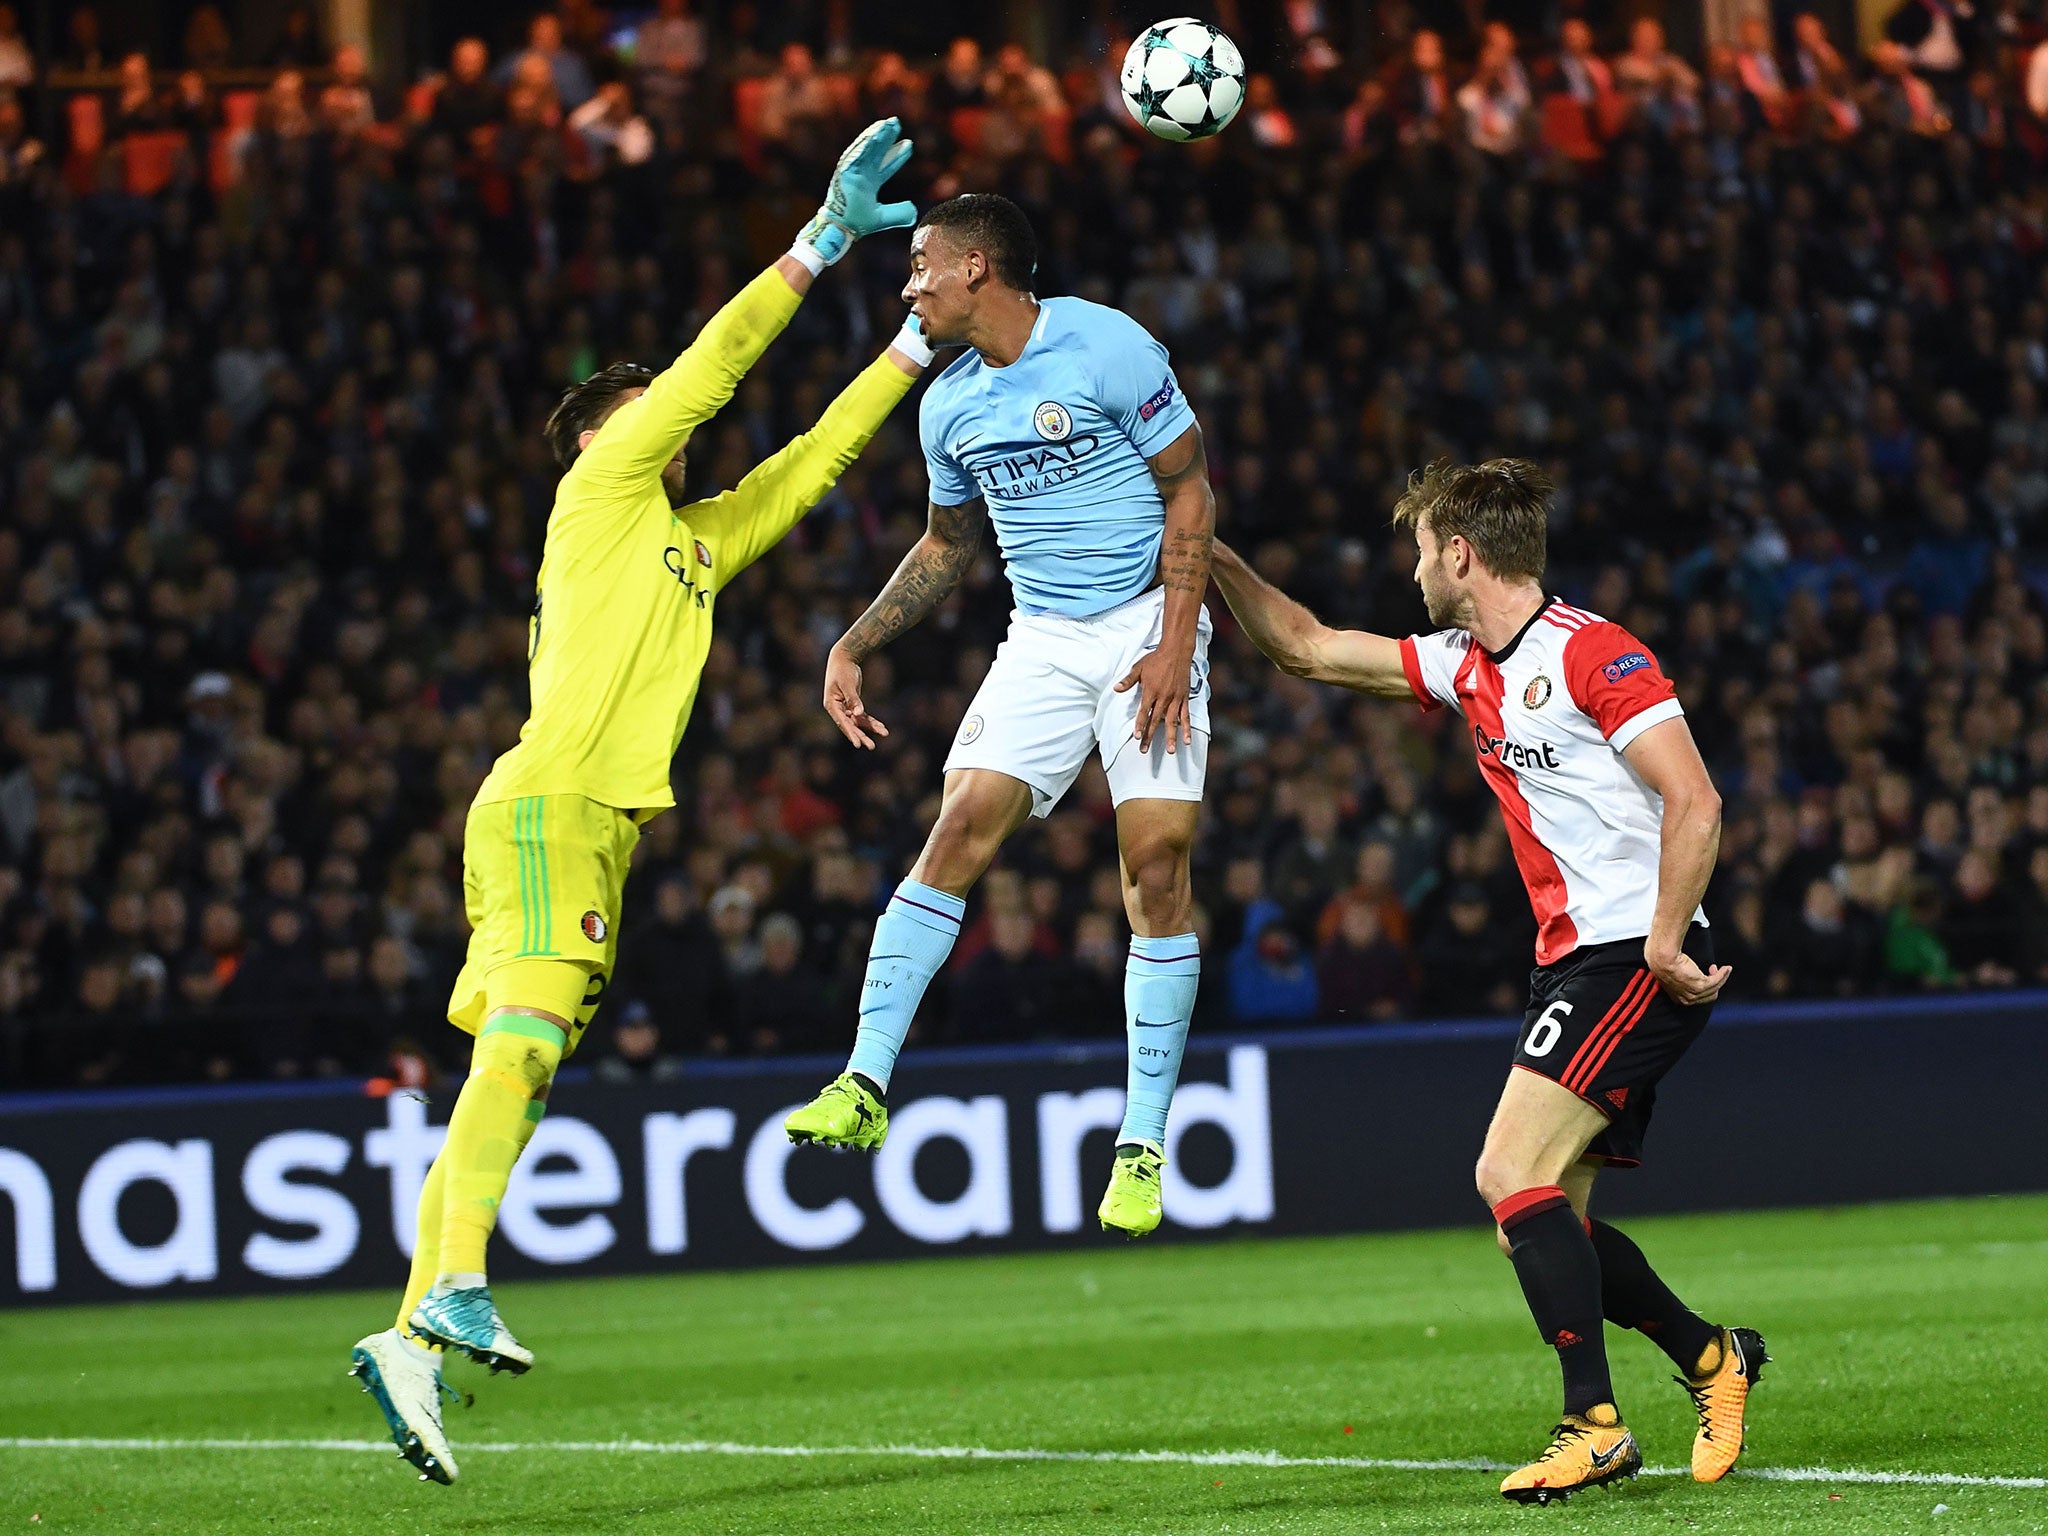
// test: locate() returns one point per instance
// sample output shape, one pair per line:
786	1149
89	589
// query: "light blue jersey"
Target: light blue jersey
1056	445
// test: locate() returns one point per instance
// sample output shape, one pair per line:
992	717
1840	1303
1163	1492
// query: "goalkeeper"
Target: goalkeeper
620	629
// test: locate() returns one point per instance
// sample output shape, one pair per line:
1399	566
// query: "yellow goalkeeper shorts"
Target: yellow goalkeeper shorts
542	879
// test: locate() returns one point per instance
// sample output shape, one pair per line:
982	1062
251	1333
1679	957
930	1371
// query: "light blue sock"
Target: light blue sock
1160	980
913	936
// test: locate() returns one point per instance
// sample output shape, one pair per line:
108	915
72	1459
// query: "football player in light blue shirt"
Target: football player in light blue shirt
1063	425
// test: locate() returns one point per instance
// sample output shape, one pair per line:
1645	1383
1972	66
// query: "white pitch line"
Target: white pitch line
993	1453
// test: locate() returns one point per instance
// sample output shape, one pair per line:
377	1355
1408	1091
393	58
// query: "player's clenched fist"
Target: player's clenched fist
842	701
1681	977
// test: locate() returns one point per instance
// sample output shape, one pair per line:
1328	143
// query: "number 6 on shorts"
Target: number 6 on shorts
1544	1032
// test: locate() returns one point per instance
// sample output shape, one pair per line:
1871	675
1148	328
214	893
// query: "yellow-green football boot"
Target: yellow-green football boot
846	1114
1131	1203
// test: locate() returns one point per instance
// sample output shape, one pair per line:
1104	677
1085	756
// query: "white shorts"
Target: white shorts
1050	696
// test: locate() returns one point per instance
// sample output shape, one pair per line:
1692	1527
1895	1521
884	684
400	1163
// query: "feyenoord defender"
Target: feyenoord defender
1615	826
620	629
1064	426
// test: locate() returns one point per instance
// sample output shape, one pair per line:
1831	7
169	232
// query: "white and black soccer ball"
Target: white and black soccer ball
1183	79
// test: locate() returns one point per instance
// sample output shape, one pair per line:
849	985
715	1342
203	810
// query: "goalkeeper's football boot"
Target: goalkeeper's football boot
409	1391
1583	1453
1131	1203
846	1114
462	1318
1720	1398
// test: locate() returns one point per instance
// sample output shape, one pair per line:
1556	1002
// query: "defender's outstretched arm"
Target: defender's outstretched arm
1299	643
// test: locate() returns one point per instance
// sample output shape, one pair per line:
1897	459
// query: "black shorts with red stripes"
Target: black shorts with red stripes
1599	1024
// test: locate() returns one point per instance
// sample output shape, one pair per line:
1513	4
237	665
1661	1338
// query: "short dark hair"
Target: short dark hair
1501	508
995	226
583	407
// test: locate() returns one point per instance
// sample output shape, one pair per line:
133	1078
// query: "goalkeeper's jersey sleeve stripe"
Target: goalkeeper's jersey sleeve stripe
644	433
750	518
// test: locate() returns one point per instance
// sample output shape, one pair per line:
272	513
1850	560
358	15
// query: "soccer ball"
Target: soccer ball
1183	79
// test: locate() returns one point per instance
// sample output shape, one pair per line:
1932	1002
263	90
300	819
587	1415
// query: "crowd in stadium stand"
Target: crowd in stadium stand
272	494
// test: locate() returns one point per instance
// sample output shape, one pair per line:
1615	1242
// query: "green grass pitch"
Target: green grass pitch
1909	1339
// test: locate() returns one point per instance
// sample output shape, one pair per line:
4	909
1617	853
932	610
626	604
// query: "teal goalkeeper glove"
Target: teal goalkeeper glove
850	209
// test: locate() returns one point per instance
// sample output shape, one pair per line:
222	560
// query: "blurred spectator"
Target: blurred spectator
1496	99
958	82
1835	945
612	132
1421	92
1936	38
1270	978
466	98
1757	65
19	153
668	51
208	43
1362	973
346	106
83	50
636	1054
1470	965
544	51
672	962
298	43
1008	990
1898	97
1662	90
794	99
137	106
17	64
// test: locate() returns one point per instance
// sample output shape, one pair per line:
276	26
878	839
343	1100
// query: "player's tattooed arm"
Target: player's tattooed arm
1164	676
1299	643
936	564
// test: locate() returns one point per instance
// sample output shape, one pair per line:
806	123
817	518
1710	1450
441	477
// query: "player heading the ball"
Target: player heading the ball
1063	425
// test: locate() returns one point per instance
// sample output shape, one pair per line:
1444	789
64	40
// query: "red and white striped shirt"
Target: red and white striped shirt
1551	715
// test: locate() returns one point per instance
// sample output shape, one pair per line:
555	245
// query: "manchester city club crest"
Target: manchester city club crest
1052	421
970	729
1537	694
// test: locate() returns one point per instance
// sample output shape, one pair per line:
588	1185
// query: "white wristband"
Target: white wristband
911	343
806	255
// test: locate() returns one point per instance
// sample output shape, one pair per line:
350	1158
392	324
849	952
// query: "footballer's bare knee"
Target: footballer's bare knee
1155	843
977	814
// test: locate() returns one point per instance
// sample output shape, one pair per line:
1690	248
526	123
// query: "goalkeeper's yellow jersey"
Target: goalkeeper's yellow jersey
622	606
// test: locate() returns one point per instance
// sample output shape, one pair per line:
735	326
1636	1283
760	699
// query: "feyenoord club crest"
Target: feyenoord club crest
593	927
1537	694
1052	421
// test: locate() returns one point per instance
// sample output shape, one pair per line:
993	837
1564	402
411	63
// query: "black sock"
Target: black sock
1560	1277
1633	1296
872	1086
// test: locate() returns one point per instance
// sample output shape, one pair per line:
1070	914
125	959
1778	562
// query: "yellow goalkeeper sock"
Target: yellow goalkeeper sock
426	1249
495	1115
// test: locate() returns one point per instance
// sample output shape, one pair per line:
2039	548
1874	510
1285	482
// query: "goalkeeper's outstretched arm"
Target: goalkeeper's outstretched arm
751	518
642	436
